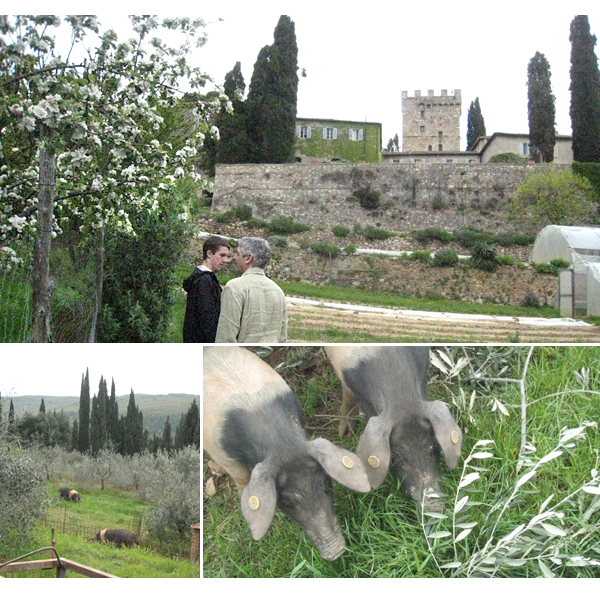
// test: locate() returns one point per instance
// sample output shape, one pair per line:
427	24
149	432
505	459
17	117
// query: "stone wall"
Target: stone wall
413	196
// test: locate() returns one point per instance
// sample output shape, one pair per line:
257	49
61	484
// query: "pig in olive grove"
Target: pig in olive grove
68	494
253	428
117	537
404	429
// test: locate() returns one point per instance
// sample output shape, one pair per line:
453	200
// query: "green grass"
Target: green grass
384	536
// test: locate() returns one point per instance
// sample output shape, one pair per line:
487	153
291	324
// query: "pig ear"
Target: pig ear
447	432
374	450
258	500
341	465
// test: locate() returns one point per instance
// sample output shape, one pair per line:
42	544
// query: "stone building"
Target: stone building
503	142
320	140
431	123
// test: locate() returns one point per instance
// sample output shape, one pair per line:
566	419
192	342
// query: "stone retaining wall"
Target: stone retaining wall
412	195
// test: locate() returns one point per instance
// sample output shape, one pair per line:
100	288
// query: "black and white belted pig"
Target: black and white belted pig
405	430
253	428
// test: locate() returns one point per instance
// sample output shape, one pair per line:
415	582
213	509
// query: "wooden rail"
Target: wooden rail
61	567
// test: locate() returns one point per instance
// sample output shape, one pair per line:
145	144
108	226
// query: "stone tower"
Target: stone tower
431	123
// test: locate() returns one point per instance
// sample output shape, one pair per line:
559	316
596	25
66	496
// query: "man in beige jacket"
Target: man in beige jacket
253	307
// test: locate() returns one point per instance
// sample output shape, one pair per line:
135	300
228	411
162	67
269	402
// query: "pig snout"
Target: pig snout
327	537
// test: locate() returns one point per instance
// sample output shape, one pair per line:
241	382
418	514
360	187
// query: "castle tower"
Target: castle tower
431	122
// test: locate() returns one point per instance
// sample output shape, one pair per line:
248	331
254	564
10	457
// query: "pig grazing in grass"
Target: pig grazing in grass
404	429
253	428
117	537
68	494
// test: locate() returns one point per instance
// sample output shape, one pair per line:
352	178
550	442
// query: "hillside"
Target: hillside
155	407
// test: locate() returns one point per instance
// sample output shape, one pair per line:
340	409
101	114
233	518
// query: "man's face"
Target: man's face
217	260
242	263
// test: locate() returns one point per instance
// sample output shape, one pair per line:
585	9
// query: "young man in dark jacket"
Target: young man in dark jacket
203	304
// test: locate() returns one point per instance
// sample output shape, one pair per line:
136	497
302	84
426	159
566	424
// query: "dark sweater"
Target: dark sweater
203	306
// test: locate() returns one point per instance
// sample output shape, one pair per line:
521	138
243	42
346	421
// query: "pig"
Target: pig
68	494
404	429
253	429
117	537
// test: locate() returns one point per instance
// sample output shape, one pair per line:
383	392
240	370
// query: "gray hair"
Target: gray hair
258	248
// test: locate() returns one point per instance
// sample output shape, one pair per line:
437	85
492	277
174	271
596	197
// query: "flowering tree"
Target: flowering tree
81	139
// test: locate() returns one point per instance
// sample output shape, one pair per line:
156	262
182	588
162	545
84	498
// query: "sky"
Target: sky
359	57
57	369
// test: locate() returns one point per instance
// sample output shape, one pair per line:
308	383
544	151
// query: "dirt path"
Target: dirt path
408	325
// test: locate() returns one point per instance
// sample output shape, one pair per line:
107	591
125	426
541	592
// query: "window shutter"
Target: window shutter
324	133
298	129
360	134
309	132
335	134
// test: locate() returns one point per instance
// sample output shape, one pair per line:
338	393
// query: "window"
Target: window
355	134
422	115
440	148
330	133
303	131
422	128
525	148
440	134
429	148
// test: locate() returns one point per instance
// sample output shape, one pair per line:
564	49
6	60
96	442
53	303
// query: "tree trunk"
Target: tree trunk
42	285
99	282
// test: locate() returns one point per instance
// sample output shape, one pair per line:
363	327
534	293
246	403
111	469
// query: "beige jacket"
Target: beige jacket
253	309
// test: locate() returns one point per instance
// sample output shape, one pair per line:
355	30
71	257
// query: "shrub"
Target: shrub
340	231
242	212
552	267
506	260
350	248
371	232
367	197
357	229
554	197
509	158
225	217
508	239
277	241
530	300
471	237
591	171
256	224
325	248
425	235
285	226
421	256
484	257
445	257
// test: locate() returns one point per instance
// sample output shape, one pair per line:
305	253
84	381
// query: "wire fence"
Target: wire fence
67	522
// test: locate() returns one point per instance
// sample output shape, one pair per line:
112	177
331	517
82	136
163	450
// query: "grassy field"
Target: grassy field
548	523
98	509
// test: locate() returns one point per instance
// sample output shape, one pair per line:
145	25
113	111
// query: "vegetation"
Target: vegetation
553	197
523	502
590	171
367	197
541	109
371	232
272	98
509	158
325	248
475	124
484	257
585	92
340	231
283	225
445	257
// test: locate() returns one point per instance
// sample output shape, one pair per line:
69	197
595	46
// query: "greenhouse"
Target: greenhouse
573	244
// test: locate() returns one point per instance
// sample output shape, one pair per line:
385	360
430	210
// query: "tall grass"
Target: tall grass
387	535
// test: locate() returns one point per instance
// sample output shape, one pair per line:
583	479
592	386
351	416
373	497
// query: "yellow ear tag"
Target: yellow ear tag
454	437
373	461
347	462
253	503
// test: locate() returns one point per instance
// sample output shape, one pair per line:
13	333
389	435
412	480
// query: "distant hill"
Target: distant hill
155	407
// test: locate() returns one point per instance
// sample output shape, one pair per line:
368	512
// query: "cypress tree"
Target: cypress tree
133	428
273	97
112	416
83	443
541	109
585	92
234	145
98	433
166	443
11	417
475	124
74	435
42	410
